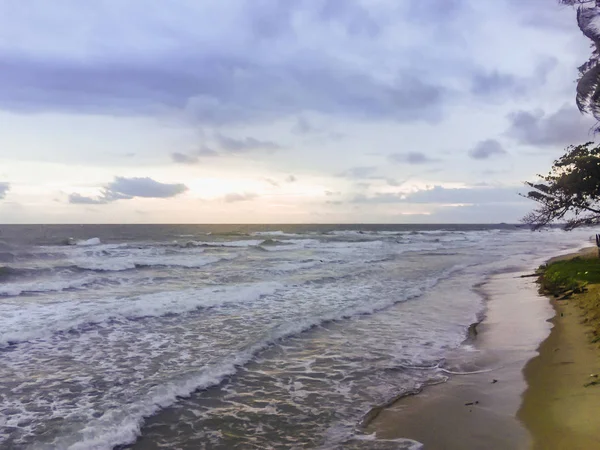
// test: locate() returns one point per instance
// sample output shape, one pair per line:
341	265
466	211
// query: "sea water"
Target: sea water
231	337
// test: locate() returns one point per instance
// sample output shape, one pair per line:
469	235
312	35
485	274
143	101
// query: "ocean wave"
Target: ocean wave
278	233
217	244
40	286
84	242
123	427
119	264
19	323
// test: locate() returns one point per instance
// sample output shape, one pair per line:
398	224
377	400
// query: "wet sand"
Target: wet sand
558	408
478	411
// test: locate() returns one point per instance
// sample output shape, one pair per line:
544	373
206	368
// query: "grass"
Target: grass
568	275
579	276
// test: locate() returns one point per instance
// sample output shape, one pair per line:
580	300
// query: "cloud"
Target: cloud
487	149
490	83
411	158
441	195
127	188
234	197
207	151
501	84
182	158
303	126
332	193
272	182
78	199
291	179
359	172
4	188
232	74
233	145
211	91
145	187
536	128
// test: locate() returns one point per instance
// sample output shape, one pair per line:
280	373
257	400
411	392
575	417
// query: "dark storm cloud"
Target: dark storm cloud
235	197
127	188
411	158
4	188
563	127
441	195
183	158
487	149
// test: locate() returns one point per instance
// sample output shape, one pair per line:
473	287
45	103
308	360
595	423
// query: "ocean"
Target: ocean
236	336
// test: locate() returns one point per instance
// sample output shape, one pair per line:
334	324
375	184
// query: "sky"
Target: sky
278	111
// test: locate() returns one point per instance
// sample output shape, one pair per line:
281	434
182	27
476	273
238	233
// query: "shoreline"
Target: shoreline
533	393
470	411
560	408
478	407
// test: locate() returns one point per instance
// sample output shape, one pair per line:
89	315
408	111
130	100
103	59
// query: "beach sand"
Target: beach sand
539	400
558	409
440	417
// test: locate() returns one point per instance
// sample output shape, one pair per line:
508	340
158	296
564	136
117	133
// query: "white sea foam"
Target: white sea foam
37	286
123	426
276	233
120	263
88	242
38	320
218	341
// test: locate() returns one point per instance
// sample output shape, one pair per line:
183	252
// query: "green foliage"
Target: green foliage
570	192
569	275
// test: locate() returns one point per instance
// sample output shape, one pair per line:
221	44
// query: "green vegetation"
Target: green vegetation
580	276
570	193
570	275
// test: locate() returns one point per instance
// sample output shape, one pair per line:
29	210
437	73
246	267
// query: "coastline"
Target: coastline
479	409
534	346
560	408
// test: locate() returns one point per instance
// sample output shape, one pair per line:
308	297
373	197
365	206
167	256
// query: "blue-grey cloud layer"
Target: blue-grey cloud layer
441	195
411	158
235	197
537	128
127	188
255	68
4	188
487	149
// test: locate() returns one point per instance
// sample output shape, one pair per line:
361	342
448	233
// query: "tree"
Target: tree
570	193
588	84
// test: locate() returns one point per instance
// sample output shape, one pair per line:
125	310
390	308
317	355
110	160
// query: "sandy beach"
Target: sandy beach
517	398
560	407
